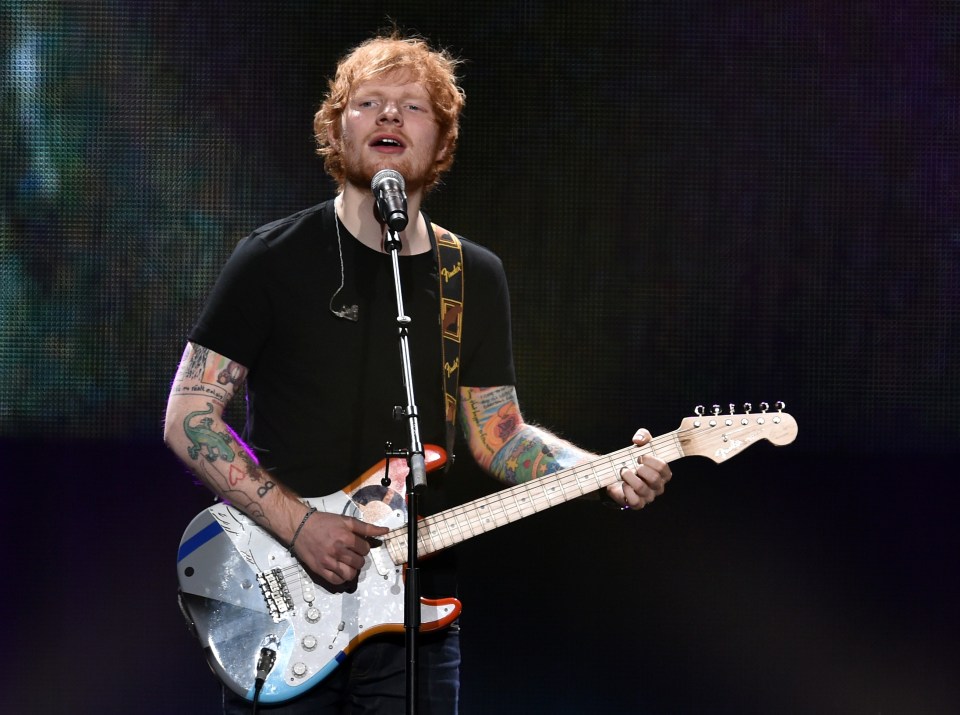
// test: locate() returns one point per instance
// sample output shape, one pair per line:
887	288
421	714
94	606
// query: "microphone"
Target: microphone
388	189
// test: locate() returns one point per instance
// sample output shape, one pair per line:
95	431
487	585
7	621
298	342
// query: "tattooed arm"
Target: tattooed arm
514	451
332	546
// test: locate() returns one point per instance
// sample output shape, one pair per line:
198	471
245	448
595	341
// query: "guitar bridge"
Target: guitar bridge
274	589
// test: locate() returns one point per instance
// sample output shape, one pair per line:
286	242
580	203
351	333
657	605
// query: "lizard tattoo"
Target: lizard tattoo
216	444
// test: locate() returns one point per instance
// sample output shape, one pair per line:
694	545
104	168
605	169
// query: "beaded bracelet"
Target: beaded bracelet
312	510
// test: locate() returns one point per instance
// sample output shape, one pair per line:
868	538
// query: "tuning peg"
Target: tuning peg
698	411
747	407
764	406
780	405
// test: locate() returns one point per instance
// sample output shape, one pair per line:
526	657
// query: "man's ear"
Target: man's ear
333	137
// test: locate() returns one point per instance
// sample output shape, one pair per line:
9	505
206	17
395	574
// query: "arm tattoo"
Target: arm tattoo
194	368
212	445
511	450
223	462
218	481
495	417
220	459
529	455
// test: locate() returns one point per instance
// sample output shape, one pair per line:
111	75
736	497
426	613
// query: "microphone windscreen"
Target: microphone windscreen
386	175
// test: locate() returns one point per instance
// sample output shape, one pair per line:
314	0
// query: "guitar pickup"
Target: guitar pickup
383	563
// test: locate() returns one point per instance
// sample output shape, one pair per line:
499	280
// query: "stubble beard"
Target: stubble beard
360	172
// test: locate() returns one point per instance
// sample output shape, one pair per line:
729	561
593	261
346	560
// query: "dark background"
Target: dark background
697	202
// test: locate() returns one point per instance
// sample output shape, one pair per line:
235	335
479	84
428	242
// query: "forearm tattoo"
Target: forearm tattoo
219	458
513	451
530	454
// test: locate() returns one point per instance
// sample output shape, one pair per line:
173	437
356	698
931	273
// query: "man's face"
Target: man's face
389	123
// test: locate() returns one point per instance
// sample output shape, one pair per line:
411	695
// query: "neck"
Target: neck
355	207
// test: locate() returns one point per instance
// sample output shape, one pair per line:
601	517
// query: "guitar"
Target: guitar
242	591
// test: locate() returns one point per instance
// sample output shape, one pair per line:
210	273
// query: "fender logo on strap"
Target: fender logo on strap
450	264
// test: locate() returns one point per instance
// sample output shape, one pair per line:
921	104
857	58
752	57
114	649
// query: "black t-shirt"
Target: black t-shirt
321	388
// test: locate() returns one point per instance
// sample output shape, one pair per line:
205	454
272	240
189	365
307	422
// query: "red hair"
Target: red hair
391	55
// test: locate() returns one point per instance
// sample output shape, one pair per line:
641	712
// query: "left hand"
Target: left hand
641	484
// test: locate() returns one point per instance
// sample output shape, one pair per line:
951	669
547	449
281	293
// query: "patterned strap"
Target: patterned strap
450	261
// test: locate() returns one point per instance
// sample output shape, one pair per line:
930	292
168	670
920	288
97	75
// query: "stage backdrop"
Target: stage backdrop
697	202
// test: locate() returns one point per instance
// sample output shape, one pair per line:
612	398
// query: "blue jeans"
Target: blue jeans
373	681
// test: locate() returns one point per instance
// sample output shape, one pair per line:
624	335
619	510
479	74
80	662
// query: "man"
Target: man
304	316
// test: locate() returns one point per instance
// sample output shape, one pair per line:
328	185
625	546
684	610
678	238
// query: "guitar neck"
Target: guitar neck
450	527
717	437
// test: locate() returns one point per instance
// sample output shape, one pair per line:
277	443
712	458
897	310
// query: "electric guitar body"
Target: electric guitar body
241	590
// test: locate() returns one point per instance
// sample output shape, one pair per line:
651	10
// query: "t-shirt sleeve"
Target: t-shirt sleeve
235	320
487	351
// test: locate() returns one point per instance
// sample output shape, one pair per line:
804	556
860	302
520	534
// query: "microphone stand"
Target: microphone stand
416	480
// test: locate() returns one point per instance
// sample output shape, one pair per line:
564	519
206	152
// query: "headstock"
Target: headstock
719	436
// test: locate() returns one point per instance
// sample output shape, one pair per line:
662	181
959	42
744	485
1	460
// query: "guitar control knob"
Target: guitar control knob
313	615
299	669
309	642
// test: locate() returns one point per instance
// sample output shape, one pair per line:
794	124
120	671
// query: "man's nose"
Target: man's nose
390	114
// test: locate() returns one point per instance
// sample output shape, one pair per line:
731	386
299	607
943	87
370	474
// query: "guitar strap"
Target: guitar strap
450	263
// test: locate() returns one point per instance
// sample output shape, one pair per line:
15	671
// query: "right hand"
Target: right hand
334	547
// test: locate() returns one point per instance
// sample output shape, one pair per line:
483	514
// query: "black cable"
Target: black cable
268	656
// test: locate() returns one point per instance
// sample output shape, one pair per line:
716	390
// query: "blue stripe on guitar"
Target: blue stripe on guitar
190	545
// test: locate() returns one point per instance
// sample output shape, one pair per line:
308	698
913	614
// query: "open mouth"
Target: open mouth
387	143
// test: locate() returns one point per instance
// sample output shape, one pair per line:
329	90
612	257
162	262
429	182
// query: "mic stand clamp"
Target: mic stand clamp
416	480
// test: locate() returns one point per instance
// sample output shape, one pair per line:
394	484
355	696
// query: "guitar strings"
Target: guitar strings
457	524
448	527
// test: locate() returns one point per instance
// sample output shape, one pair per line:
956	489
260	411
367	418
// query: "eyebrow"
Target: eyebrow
380	90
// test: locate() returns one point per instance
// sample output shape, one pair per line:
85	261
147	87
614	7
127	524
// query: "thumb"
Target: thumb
641	437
